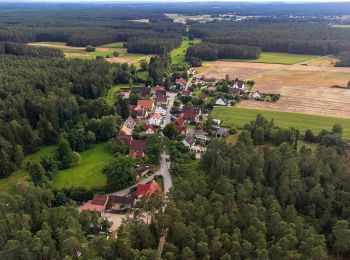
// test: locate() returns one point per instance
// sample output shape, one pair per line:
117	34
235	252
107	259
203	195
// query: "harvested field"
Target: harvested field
220	69
119	60
305	89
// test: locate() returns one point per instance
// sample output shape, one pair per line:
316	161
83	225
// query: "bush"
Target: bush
309	136
115	54
194	61
90	48
233	130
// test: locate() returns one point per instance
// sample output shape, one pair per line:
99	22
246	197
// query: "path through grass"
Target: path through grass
178	54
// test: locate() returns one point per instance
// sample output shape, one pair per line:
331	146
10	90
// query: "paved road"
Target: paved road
127	190
164	171
170	105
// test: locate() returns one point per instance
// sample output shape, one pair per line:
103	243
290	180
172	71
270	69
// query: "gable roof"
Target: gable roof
159	88
151	127
161	97
99	199
131	121
126	139
145	91
190	140
180	120
203	95
145	103
147	189
187	109
186	92
222	132
156	116
138	145
180	80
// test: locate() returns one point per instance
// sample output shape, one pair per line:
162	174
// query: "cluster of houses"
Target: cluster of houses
121	204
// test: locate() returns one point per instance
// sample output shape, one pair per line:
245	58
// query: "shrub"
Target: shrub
90	48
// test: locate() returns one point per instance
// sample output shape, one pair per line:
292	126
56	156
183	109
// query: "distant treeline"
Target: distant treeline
158	44
21	49
344	59
210	51
86	27
299	38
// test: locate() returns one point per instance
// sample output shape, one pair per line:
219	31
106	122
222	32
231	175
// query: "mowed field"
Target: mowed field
104	51
88	174
178	54
238	117
304	88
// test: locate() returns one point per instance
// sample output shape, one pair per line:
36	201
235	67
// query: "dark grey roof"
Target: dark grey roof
190	140
222	132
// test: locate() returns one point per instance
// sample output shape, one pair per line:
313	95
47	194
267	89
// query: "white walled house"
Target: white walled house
160	110
155	119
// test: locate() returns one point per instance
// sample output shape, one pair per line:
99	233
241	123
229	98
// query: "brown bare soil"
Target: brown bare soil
307	91
303	88
119	60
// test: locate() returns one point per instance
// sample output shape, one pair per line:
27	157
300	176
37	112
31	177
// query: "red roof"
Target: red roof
159	88
97	204
147	127
126	139
131	108
145	103
180	128
147	189
180	80
186	92
137	148
180	120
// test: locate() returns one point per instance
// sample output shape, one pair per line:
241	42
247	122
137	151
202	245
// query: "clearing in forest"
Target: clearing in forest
8	184
178	54
88	174
238	117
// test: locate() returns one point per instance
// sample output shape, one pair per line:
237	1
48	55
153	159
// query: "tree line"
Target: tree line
344	59
210	51
302	38
26	50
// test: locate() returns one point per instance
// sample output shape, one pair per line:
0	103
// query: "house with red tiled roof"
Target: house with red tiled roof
149	130
158	88
137	148
191	114
203	96
128	126
161	99
146	104
148	189
155	119
97	204
126	139
186	93
181	81
181	129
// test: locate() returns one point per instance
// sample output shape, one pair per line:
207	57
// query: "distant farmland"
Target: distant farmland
238	117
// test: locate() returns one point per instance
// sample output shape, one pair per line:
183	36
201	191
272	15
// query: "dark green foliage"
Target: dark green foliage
170	131
209	51
194	61
25	50
90	48
290	37
154	148
120	173
344	59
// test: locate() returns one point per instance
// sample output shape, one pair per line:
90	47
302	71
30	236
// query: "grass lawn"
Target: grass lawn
178	54
238	117
88	174
9	184
110	98
280	58
113	45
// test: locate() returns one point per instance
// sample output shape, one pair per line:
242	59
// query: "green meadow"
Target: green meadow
9	184
178	54
88	174
280	58
238	117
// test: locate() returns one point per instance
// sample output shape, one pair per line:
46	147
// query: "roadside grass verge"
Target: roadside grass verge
280	58
8	184
238	117
88	174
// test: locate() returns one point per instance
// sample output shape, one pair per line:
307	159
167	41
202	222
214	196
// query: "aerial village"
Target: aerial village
185	105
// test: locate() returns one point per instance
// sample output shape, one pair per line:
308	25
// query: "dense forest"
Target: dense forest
299	38
42	96
87	27
209	51
238	202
